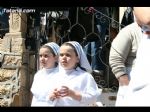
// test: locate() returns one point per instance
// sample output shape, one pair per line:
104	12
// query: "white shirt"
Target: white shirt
78	80
41	86
138	93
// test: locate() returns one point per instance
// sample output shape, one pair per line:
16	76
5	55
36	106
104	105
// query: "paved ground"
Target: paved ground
108	98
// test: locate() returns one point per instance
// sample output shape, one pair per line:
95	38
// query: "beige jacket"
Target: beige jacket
123	49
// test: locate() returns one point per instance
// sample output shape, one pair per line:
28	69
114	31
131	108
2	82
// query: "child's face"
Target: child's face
68	59
47	59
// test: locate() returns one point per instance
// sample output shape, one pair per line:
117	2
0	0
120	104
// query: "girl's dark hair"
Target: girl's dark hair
78	64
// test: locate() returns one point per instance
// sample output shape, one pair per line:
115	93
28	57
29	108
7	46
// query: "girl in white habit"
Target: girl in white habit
75	86
48	57
138	93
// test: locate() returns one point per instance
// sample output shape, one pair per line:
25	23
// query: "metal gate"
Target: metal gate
94	28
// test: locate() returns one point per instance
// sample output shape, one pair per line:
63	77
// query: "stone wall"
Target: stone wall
16	71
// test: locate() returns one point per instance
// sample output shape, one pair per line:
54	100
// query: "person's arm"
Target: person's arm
119	52
123	80
75	95
92	92
36	87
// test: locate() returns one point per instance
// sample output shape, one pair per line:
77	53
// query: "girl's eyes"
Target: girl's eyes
44	56
67	55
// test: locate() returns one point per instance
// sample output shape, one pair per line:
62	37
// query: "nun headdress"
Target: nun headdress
54	47
84	63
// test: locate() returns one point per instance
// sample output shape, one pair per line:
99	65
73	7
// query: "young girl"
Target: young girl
75	86
48	57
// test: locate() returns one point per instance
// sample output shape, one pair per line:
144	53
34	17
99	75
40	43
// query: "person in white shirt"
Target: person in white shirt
138	92
48	57
75	86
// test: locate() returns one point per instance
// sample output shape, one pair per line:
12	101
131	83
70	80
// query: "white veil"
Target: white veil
84	63
54	46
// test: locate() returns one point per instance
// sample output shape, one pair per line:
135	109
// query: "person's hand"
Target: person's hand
54	95
123	80
91	10
65	91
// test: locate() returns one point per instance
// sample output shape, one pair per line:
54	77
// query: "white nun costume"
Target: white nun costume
79	80
42	81
138	93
